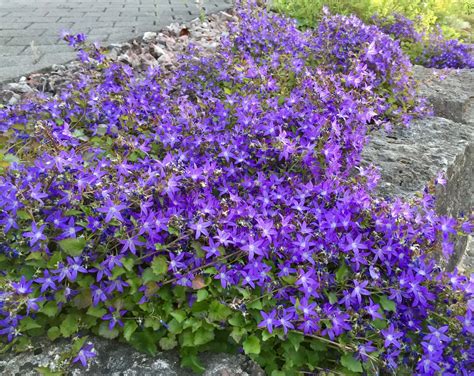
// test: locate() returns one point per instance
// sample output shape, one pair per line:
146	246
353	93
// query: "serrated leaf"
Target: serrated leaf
202	295
179	316
257	304
53	333
45	371
129	328
351	363
28	323
175	327
252	345
218	311
73	246
149	276
342	272
387	304
50	309
167	343
105	332
144	342
128	263
159	265
237	334
379	324
96	311
192	361
69	326
295	339
203	335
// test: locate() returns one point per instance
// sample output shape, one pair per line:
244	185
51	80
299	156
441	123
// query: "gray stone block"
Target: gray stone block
451	92
114	358
409	158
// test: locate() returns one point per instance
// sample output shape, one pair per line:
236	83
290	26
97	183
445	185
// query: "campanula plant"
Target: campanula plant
223	207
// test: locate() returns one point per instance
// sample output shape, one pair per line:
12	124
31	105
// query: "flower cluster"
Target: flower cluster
439	52
371	60
399	27
431	50
224	206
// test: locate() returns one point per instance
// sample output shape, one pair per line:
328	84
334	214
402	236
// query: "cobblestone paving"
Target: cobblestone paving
29	29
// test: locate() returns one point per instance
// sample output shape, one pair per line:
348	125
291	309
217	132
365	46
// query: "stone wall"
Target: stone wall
409	158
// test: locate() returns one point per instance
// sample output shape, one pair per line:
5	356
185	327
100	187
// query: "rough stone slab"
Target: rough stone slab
409	158
450	91
117	359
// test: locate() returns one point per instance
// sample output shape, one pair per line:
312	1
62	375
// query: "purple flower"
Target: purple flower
269	320
36	234
373	310
359	290
467	322
114	316
391	336
47	281
22	287
201	227
437	336
112	211
285	322
85	353
98	295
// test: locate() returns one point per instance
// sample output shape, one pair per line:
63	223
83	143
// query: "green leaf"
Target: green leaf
278	373
144	342
45	371
128	263
159	265
105	332
387	304
167	343
379	324
69	326
351	363
191	360
78	343
179	316
295	339
318	345
53	333
50	309
257	304
267	335
96	311
202	295
73	246
342	272
149	276
203	335
28	323
237	334
218	311
129	328
252	345
186	339
175	327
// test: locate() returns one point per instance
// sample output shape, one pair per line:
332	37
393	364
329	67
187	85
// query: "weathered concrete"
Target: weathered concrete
30	29
409	158
117	359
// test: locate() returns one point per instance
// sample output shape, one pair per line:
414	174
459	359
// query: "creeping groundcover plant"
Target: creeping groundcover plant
223	207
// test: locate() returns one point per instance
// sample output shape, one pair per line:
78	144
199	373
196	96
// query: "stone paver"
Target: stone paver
30	29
